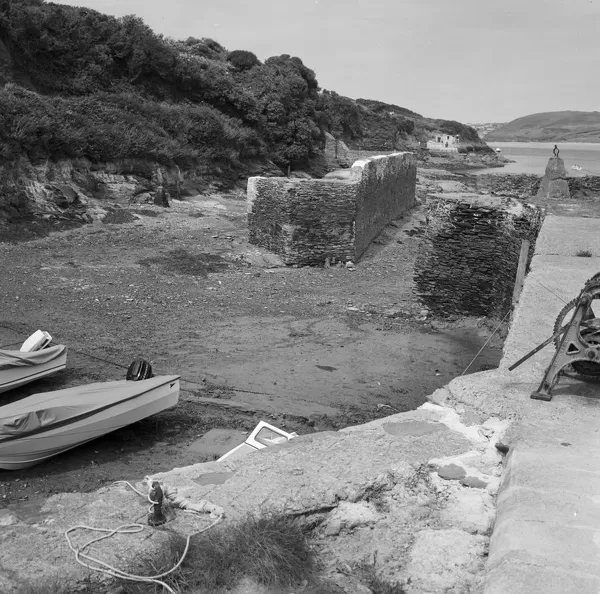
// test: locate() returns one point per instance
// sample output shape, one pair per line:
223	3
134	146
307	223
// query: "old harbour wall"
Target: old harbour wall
470	253
307	221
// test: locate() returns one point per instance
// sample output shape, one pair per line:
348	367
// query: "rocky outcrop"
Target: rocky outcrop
554	185
36	197
77	189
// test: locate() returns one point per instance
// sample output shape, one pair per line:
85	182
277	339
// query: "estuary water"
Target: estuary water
532	157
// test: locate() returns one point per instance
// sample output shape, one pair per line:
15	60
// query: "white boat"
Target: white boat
498	150
21	367
43	425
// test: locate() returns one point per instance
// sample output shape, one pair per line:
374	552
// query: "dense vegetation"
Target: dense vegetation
78	83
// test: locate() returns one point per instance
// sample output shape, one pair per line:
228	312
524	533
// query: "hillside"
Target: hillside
85	83
85	96
485	129
554	126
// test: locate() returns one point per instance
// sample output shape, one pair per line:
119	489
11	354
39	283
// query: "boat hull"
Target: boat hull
14	377
29	450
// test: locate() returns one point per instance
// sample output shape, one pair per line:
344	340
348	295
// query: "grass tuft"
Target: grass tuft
270	550
157	562
376	584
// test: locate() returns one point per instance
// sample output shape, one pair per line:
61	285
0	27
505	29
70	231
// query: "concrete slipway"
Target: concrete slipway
420	488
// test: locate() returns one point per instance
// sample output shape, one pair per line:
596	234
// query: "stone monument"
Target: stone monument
554	185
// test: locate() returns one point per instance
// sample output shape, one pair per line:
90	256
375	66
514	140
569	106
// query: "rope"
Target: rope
100	566
108	362
10	344
550	291
486	342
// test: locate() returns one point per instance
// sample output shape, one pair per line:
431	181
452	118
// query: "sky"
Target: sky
474	61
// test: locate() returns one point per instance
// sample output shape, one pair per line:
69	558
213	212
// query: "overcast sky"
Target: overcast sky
470	60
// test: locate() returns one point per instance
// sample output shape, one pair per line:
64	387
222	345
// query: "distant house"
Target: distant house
444	142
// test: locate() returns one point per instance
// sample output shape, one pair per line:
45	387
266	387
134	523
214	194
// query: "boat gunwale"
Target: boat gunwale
83	416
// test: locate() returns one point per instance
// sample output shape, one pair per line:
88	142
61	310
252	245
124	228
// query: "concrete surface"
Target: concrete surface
546	537
367	488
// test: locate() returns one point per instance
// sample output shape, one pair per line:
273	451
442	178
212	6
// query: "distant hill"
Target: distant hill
553	126
487	128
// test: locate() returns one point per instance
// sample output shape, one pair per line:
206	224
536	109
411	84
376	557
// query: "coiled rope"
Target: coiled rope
94	564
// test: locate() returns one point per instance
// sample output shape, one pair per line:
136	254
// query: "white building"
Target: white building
444	142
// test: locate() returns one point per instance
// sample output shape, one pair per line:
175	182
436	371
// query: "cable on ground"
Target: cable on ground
486	342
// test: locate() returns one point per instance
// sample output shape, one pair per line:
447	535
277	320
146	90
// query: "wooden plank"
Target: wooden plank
523	257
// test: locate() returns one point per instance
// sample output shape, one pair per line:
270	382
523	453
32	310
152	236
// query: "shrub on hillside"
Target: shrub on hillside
105	127
242	60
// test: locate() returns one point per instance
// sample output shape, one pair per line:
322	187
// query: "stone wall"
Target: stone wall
304	221
525	186
385	190
584	187
307	221
470	253
506	184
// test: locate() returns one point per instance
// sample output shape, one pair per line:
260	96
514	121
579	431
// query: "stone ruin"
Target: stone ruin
307	221
469	257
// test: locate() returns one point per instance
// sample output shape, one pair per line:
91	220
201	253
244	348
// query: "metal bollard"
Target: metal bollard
156	517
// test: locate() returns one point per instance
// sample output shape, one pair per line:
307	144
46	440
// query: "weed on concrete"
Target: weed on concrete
270	550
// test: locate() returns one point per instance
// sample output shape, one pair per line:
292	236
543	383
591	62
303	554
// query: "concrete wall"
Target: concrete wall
307	221
470	254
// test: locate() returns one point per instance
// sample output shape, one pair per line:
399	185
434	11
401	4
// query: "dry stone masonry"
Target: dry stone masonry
306	221
470	254
526	186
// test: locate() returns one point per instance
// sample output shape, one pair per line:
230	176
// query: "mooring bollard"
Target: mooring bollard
156	517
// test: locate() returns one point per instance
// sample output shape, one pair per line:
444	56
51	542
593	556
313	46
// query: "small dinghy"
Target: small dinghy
34	360
44	425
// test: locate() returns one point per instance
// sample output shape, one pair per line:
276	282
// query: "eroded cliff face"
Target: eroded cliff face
40	197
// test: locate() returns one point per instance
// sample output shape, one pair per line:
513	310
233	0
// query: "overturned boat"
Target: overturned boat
34	360
44	425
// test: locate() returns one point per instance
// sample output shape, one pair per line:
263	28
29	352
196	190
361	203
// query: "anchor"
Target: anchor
577	342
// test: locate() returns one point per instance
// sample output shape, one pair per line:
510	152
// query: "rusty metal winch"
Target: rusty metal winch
577	341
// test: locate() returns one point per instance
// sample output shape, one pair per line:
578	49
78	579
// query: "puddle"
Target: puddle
183	262
413	428
30	511
213	478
